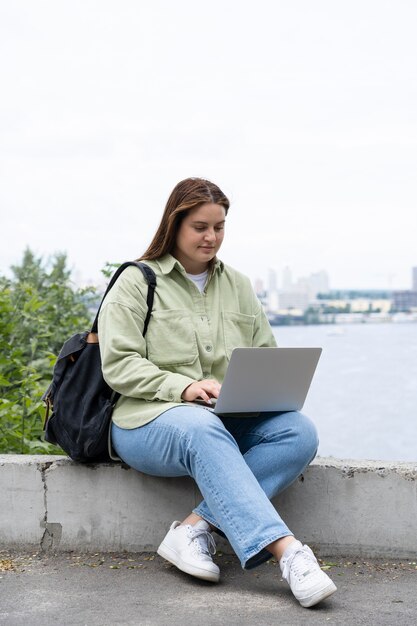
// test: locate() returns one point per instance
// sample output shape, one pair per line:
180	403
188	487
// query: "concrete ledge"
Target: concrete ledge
341	507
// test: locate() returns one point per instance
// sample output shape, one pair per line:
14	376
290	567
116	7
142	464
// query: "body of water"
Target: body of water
363	398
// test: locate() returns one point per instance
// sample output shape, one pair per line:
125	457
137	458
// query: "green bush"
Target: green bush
39	309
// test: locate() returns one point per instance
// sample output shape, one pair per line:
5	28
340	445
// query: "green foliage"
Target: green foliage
109	269
39	310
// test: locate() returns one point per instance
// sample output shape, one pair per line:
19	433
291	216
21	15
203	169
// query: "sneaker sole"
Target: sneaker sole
173	557
318	596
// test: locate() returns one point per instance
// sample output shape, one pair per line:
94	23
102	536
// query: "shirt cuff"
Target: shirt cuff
173	387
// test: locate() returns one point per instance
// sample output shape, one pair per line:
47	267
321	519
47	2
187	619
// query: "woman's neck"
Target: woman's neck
192	267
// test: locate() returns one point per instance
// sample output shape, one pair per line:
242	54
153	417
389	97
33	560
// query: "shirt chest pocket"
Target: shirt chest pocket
171	338
237	330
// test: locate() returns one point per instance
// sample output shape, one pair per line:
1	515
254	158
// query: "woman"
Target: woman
202	310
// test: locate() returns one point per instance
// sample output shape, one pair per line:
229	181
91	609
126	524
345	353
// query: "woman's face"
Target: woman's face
199	237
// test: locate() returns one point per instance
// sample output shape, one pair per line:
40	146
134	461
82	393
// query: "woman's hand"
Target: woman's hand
202	389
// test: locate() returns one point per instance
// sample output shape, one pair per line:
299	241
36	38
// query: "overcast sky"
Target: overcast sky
303	111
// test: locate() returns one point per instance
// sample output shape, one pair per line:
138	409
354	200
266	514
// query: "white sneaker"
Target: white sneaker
190	549
302	572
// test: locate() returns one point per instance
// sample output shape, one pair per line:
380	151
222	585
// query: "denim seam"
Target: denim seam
216	494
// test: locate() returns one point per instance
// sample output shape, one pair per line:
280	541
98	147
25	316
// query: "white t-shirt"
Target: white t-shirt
199	279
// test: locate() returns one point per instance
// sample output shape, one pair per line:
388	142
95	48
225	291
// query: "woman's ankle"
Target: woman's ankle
193	519
278	547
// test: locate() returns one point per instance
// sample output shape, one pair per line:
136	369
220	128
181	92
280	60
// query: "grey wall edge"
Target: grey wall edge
339	507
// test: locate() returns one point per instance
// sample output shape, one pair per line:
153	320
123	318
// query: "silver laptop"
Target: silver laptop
266	379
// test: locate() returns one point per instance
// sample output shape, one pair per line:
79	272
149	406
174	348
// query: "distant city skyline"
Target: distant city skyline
299	293
318	281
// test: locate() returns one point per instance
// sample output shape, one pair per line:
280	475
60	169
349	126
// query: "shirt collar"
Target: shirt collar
167	263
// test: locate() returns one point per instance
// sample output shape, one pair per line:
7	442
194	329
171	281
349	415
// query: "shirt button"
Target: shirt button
209	348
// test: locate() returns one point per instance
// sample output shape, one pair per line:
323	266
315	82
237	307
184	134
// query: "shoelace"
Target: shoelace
302	567
203	538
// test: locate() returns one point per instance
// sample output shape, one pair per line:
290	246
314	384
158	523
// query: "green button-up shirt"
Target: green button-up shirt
190	335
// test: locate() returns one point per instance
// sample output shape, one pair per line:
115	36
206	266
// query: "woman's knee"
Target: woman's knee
306	434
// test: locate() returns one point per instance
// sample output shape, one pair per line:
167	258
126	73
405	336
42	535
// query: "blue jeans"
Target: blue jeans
239	464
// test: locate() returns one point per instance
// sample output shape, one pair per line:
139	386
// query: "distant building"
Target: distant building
404	300
414	287
286	278
273	301
319	282
293	299
272	291
294	295
272	280
301	294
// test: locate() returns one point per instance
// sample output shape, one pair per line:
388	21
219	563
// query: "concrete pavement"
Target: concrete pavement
141	589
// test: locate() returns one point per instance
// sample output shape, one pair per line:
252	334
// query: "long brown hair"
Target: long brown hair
188	194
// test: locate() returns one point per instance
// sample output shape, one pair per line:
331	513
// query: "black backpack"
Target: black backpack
79	403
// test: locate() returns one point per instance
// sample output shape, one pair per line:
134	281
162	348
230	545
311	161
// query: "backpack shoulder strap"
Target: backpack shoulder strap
150	278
